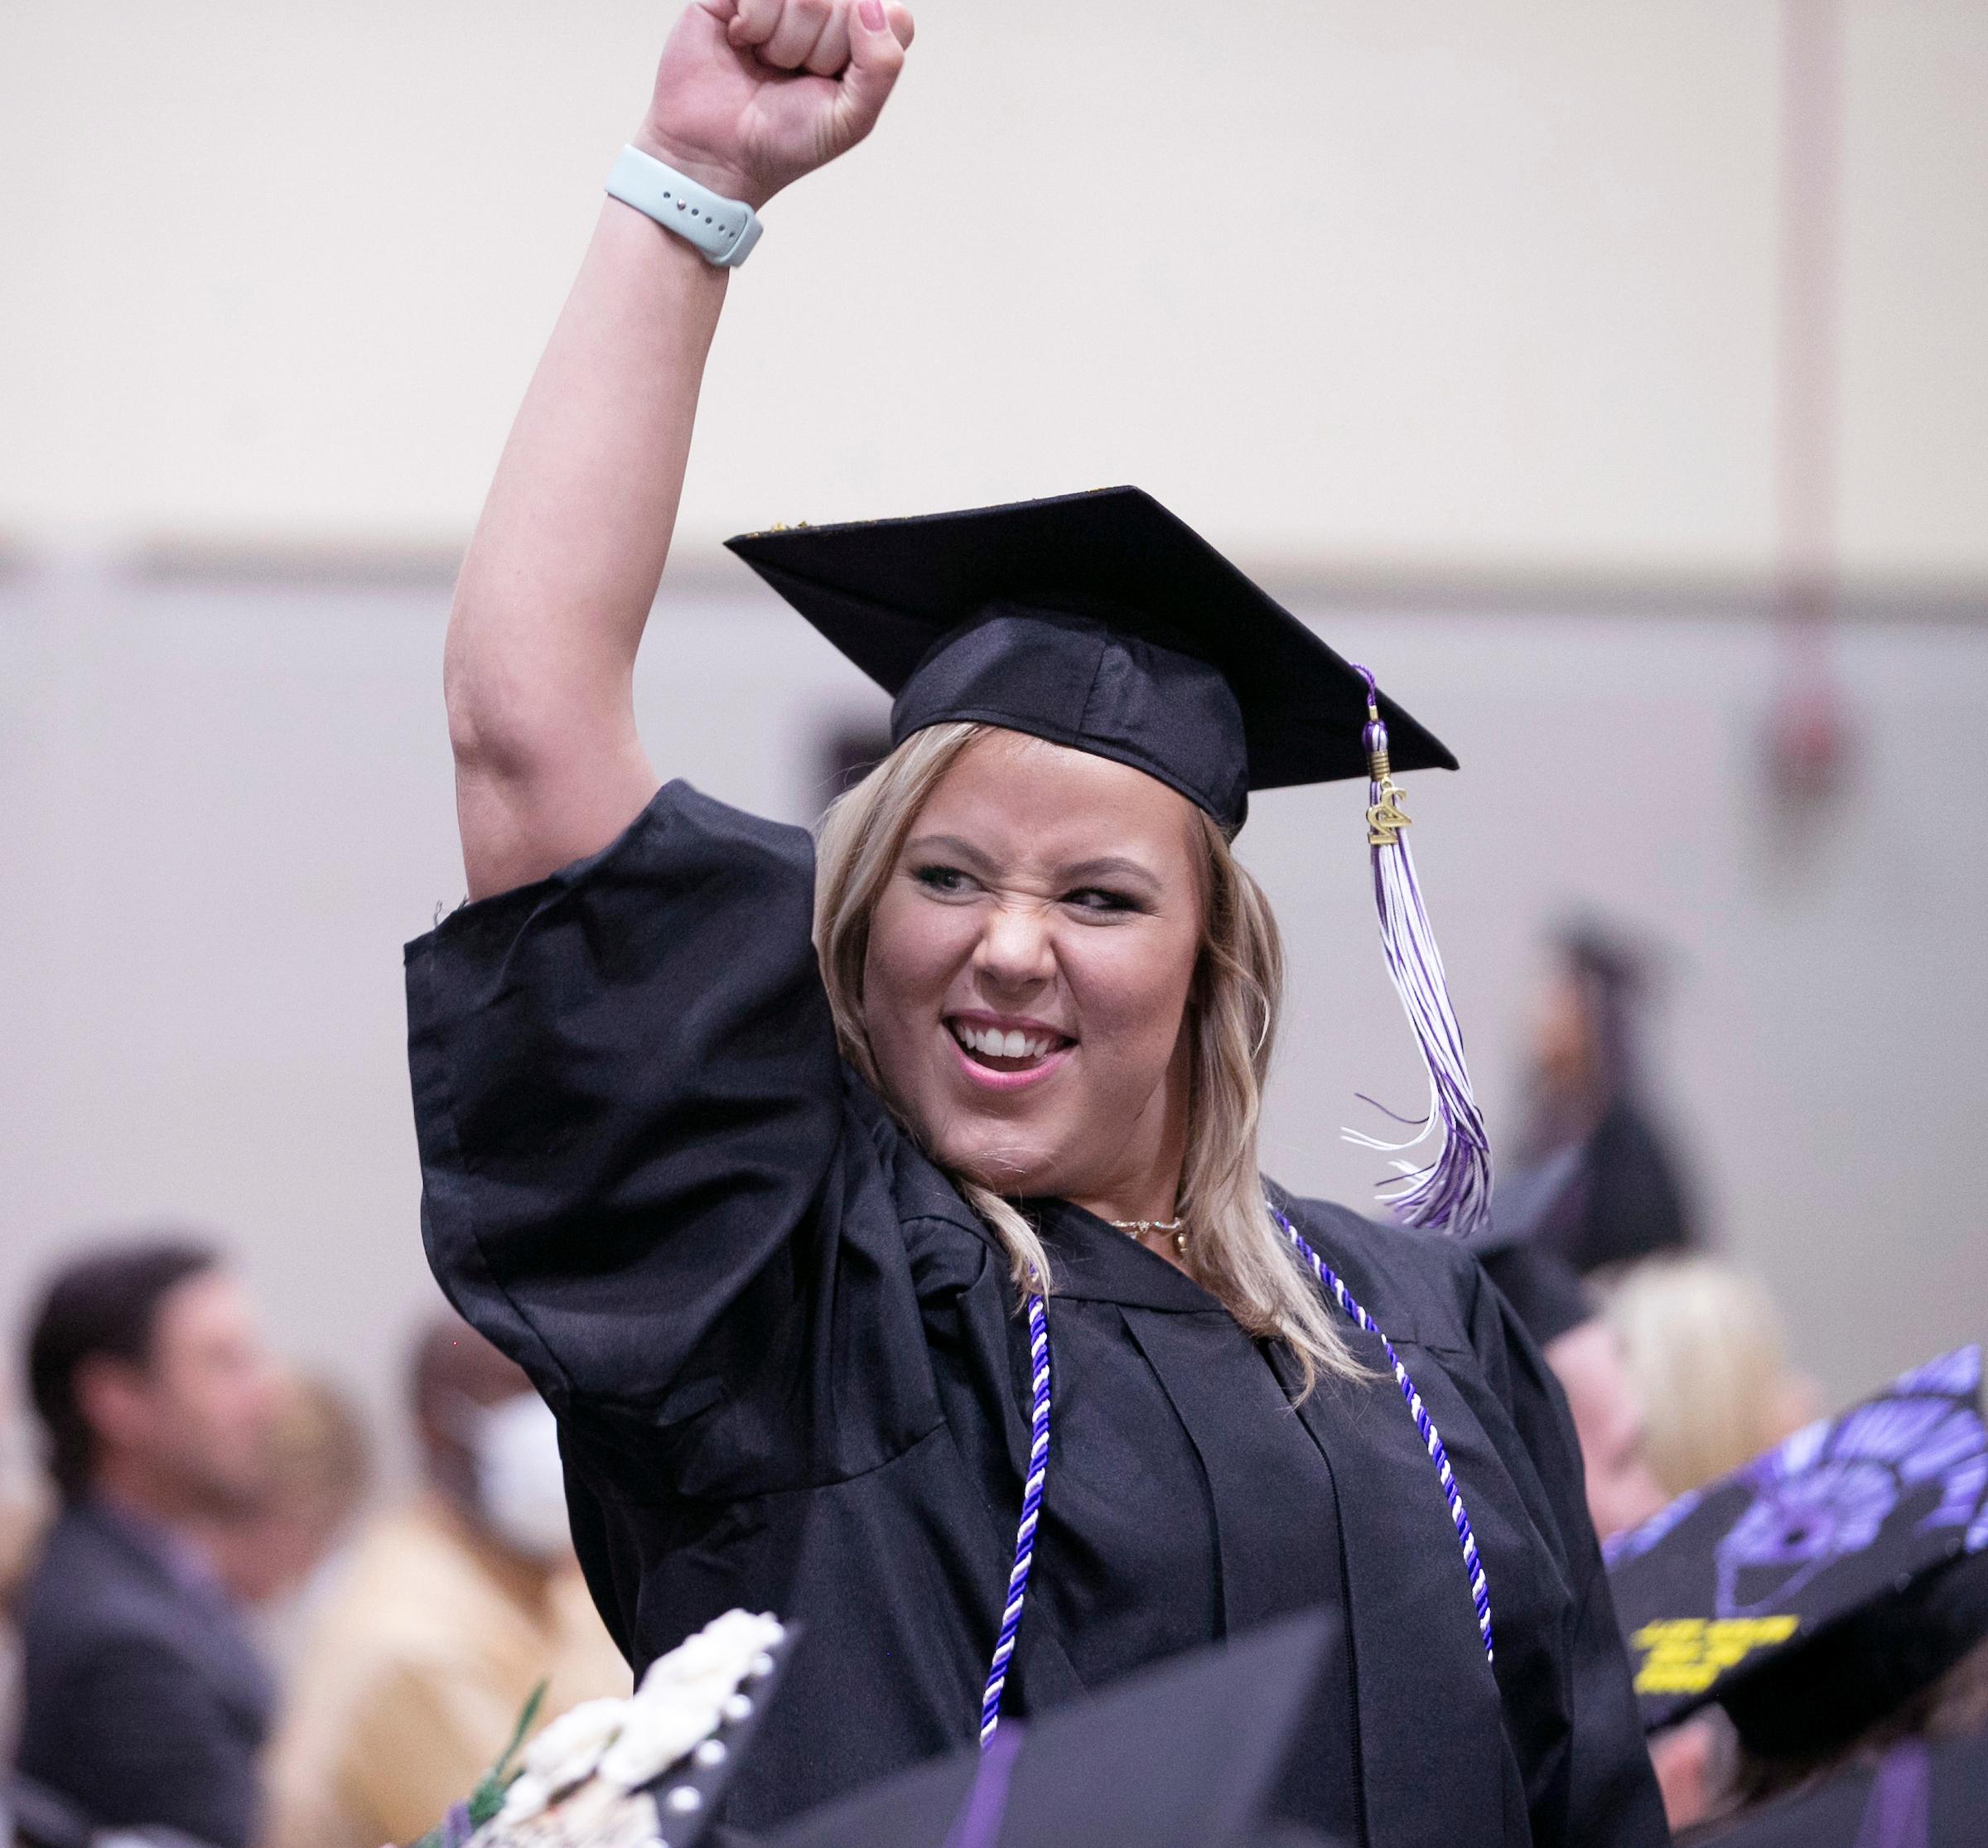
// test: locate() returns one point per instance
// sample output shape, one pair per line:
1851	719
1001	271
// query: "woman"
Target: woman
763	1227
1707	1351
1599	1178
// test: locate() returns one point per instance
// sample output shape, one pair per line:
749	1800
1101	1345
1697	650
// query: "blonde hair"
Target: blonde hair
1236	1252
1704	1347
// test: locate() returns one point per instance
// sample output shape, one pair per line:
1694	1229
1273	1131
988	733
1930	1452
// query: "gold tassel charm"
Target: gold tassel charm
1386	817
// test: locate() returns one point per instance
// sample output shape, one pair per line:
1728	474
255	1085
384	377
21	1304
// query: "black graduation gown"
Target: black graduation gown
790	1375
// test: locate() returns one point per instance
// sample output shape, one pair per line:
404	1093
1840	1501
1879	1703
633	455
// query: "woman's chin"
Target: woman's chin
1018	1173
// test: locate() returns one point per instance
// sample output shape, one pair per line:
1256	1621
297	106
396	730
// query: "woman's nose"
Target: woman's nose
1015	946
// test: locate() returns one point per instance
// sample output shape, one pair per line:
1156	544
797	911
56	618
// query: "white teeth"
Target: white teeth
995	1044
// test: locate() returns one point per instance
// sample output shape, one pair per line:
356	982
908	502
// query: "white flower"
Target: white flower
526	1797
624	1745
569	1748
658	1732
716	1659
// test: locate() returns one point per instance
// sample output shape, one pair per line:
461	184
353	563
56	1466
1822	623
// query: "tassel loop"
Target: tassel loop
1452	1190
1386	817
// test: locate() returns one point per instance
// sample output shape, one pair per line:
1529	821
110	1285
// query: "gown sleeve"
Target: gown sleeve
639	1174
1607	1794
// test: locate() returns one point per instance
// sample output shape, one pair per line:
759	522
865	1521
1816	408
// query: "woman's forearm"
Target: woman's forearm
560	576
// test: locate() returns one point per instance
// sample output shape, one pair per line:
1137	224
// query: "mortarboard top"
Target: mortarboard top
1098	621
1184	1755
1816	1589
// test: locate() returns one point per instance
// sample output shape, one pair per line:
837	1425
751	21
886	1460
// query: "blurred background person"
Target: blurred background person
1702	1344
24	1517
143	1701
1704	1347
1603	1185
1610	1423
276	1553
448	1613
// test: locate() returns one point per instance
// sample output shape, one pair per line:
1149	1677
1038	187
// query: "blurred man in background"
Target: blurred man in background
143	1699
446	1617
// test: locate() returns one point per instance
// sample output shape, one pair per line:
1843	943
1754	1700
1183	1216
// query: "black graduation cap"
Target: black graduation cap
1918	1795
1817	1588
1098	621
1186	1754
1546	1293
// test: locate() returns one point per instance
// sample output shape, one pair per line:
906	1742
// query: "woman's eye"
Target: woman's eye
948	880
1096	898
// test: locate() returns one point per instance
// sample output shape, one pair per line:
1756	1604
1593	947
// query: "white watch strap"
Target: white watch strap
724	230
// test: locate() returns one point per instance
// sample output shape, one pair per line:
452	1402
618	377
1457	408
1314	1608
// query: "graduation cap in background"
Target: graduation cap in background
1187	1754
1917	1796
1546	1293
1103	622
1818	1588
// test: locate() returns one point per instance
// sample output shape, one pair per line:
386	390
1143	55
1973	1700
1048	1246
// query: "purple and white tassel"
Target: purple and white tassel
1451	1191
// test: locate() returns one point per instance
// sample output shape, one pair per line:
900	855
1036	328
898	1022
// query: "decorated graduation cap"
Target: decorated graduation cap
1103	622
1817	1589
1195	1748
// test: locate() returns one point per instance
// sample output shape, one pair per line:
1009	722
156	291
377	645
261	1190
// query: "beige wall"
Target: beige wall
1457	288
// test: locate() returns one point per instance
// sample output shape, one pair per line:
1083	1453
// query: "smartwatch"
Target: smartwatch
723	230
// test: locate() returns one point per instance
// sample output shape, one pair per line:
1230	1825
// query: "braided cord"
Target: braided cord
1481	1592
1038	1471
1032	1509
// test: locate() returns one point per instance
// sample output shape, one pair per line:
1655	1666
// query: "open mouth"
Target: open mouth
1008	1049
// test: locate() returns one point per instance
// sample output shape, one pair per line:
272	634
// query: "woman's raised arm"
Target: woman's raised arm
559	580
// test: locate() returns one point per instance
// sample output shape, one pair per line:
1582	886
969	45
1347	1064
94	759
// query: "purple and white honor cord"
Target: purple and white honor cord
1480	1591
1031	1510
1038	1471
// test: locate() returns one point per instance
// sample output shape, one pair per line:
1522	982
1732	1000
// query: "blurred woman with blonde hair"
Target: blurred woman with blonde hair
1707	1352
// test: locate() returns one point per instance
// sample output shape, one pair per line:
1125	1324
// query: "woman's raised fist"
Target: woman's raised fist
753	94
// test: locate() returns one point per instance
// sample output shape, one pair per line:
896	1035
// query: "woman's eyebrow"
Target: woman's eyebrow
950	844
1111	865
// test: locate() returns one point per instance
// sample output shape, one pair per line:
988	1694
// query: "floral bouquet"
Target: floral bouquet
628	1773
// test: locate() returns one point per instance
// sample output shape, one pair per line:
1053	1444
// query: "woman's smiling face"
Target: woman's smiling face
1028	970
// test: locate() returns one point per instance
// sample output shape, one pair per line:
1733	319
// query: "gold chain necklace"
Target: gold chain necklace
1138	1228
